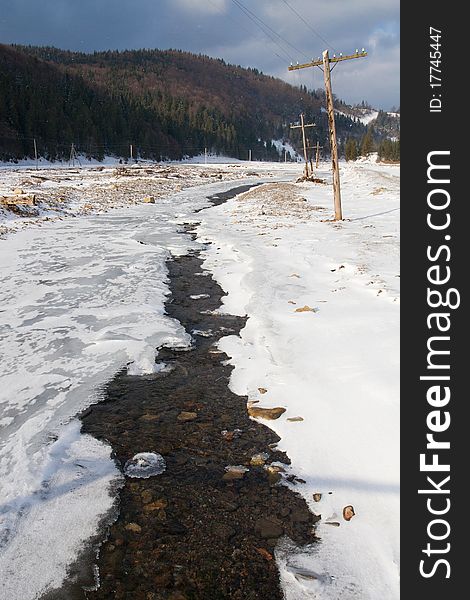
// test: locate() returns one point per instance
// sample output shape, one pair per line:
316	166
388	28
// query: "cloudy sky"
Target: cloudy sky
221	28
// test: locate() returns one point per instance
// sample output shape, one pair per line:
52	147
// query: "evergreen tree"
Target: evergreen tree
389	150
351	150
367	143
165	103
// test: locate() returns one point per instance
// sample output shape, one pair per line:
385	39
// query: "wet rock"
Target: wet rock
157	505
229	436
274	474
262	390
348	513
177	596
146	496
317	496
229	506
258	460
295	419
300	516
233	472
187	416
149	417
264	553
136	528
266	413
269	528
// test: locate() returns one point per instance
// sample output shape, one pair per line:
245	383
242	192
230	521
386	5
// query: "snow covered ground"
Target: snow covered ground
61	191
365	116
322	339
83	297
80	298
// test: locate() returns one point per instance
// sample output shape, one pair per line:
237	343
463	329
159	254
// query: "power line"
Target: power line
239	24
263	29
308	25
267	30
274	32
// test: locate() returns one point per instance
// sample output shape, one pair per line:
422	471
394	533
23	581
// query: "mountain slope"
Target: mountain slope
166	103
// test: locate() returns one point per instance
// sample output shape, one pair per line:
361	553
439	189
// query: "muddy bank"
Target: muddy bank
193	532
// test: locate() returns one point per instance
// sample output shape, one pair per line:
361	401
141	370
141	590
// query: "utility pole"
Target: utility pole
35	153
131	151
72	155
304	139
317	154
333	144
249	155
325	62
205	156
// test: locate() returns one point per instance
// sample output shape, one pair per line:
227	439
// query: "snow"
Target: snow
368	116
336	366
209	158
61	191
144	465
41	527
43	163
365	115
83	297
283	146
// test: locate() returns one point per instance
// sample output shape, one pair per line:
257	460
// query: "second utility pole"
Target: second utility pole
304	139
317	155
331	116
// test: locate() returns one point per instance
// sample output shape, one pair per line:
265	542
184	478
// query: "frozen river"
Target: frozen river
80	299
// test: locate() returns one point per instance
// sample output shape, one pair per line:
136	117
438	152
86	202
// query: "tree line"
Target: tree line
167	104
388	150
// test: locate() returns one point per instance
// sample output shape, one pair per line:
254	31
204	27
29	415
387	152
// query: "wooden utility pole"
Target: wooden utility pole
35	153
131	151
304	139
249	155
74	155
317	154
333	144
326	62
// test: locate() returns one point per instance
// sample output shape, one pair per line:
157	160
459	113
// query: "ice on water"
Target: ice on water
144	465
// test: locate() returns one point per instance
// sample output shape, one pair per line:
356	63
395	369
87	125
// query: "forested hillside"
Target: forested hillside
167	104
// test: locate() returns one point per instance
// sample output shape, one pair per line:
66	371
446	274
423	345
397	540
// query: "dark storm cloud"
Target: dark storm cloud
219	28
